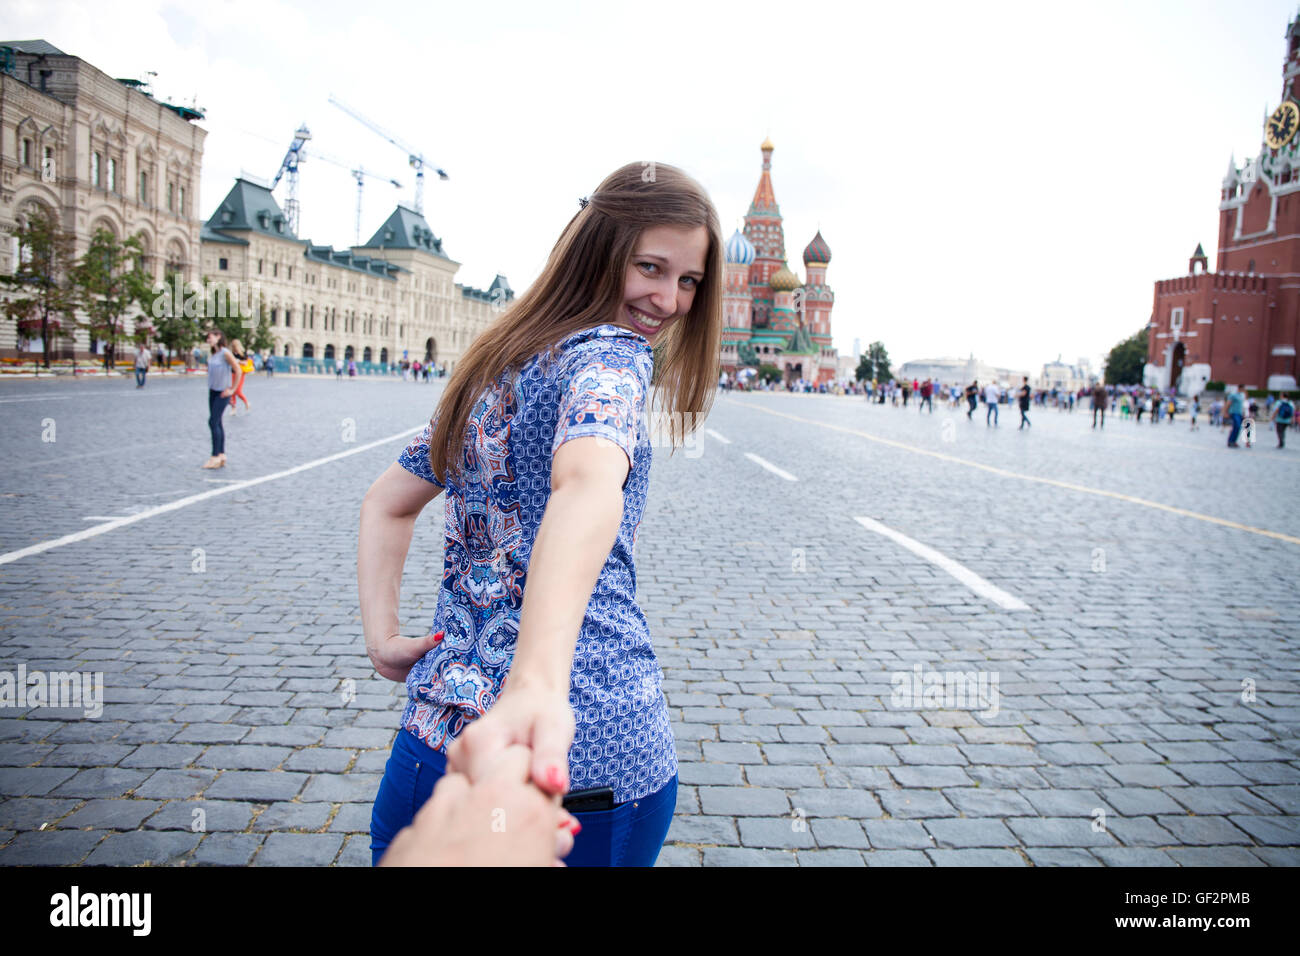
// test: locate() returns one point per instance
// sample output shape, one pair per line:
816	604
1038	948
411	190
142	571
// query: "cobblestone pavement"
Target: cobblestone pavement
1144	707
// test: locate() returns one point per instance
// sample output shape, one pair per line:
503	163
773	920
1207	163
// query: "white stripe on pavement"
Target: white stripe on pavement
194	499
725	441
965	575
770	467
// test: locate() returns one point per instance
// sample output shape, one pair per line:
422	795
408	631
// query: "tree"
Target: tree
769	373
223	309
874	364
44	303
1126	360
108	281
176	330
747	354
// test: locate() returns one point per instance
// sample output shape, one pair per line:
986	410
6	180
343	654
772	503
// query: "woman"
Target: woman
224	376
245	366
542	444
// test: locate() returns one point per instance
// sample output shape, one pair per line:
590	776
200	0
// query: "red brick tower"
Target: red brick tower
1239	324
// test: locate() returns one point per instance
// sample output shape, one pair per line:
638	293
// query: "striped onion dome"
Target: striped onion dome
783	280
817	251
739	249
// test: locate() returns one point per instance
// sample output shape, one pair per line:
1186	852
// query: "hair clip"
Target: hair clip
583	202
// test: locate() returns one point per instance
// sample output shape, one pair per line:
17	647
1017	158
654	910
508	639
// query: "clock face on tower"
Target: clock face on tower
1281	126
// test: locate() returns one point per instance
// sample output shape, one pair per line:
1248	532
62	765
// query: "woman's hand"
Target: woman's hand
501	820
395	655
535	716
227	393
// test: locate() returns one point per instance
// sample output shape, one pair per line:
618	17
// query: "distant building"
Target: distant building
390	300
93	152
1066	378
1238	324
955	371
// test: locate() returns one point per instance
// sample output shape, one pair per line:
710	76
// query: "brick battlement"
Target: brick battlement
1217	282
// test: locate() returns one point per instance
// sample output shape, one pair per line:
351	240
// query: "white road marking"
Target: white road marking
176	505
725	441
965	575
770	467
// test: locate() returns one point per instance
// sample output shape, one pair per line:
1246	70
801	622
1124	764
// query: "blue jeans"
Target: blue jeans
632	834
139	377
216	408
1236	427
991	413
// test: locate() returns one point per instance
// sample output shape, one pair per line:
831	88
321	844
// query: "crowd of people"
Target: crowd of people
1235	411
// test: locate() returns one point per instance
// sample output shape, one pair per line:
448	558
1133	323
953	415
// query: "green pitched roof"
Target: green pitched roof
801	343
406	229
251	207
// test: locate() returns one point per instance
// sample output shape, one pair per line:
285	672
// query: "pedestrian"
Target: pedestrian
245	366
972	398
269	365
352	368
1194	409
224	376
1282	417
1236	413
338	370
1099	403
142	360
1171	409
927	396
991	397
906	392
636	261
1023	394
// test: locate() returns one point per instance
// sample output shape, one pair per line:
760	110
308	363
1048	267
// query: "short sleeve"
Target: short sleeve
415	456
603	395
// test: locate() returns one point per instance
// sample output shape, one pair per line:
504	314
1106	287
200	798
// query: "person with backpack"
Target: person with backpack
1283	416
972	398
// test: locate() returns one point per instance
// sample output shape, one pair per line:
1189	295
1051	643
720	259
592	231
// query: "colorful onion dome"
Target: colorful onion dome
817	251
739	249
767	144
783	280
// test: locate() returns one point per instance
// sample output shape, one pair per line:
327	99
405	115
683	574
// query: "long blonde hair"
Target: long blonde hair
582	286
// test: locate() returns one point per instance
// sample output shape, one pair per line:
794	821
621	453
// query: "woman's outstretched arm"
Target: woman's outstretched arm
577	533
388	514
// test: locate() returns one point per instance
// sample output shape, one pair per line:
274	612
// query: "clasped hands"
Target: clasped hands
499	802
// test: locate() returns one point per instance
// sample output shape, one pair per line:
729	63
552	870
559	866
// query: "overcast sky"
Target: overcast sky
996	178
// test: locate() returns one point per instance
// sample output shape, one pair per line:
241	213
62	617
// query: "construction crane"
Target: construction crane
413	155
289	167
298	154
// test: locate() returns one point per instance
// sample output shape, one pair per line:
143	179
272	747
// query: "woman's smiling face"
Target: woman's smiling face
662	277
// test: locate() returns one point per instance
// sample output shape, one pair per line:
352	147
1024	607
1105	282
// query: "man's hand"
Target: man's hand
500	820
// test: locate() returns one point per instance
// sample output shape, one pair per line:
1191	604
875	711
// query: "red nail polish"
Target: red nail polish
437	637
553	778
576	828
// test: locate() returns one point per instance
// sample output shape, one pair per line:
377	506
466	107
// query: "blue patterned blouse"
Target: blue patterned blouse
598	384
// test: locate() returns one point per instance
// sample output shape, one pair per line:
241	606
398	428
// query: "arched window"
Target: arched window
383	356
308	350
365	356
286	349
349	354
329	353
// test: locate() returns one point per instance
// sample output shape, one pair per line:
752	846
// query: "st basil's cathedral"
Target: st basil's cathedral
769	316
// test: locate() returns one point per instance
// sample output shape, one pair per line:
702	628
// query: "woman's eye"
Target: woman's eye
647	265
692	280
